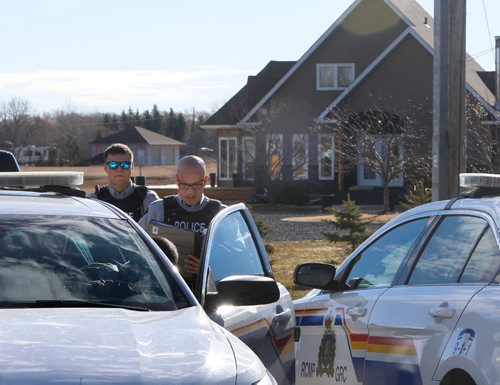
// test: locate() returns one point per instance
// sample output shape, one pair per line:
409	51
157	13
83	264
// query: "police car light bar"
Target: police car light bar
41	178
480	180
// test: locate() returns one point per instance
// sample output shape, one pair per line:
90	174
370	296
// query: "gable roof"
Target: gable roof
257	86
138	135
420	25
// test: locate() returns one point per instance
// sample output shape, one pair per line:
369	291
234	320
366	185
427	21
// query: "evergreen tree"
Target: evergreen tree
156	122
146	119
179	127
352	229
171	121
124	120
114	123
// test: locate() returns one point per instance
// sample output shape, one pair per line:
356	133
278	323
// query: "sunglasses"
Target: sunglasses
113	165
194	186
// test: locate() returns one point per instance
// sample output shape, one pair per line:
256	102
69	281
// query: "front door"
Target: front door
334	331
234	247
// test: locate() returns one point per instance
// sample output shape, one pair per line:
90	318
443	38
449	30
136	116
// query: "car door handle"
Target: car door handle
283	316
442	312
356	311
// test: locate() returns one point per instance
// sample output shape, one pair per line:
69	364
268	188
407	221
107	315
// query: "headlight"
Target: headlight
267	380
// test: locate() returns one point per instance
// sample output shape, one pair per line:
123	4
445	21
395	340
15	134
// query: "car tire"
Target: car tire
457	377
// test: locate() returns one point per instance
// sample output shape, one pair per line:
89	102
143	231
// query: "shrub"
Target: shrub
293	194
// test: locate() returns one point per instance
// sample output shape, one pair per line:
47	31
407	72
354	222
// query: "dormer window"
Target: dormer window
334	76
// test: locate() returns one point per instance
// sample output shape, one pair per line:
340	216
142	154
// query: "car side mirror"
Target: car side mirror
243	290
316	276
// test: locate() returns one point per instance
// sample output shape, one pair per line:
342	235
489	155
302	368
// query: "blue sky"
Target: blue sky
107	55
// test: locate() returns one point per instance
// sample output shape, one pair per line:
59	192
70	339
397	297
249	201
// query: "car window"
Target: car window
81	259
377	265
484	262
448	249
233	249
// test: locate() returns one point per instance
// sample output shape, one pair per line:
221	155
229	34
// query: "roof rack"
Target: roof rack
62	182
480	185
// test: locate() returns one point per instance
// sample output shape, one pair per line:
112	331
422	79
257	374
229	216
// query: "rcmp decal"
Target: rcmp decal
326	354
371	356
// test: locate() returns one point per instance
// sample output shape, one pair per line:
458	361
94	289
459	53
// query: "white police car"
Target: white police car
417	303
87	297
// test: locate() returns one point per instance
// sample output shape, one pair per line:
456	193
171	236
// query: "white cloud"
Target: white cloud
117	90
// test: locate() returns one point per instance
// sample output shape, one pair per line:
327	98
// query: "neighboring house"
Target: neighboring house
33	154
150	148
281	125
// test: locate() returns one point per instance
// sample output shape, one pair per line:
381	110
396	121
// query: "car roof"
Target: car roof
17	202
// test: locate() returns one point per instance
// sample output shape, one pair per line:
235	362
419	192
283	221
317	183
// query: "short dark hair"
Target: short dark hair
118	148
168	248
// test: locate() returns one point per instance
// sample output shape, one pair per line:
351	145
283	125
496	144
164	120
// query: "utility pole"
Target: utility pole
448	145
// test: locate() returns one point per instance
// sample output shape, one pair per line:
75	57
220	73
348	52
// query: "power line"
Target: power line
488	26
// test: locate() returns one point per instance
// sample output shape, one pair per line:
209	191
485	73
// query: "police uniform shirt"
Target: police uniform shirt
150	197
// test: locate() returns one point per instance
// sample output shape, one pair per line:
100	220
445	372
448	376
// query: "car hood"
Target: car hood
113	346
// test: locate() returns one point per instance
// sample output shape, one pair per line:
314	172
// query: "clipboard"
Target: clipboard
183	239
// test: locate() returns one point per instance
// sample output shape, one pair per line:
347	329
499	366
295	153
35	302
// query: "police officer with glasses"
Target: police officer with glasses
189	209
120	191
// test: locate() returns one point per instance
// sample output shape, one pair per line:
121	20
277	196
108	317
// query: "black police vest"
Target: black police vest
197	221
132	204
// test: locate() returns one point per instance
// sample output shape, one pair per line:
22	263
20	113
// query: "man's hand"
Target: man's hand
192	264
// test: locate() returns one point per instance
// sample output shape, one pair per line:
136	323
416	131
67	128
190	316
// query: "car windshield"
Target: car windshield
79	260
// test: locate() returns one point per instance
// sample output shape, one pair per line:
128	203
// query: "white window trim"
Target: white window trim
228	170
377	181
305	137
335	75
332	176
280	177
245	156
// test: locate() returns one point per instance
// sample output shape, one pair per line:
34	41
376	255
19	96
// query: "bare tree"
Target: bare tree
482	141
14	121
389	145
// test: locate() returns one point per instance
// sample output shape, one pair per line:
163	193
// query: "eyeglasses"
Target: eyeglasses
194	186
113	165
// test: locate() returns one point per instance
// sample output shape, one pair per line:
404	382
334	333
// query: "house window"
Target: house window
326	158
248	157
300	156
228	165
334	76
368	175
274	150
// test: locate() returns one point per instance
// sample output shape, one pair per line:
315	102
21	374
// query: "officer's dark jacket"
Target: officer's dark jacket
132	204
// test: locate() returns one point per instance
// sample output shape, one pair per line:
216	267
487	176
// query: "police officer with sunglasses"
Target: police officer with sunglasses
120	191
189	209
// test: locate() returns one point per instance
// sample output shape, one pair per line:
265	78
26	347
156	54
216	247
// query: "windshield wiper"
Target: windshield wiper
54	303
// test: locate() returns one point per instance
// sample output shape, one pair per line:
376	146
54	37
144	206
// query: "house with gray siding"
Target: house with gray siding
282	126
149	147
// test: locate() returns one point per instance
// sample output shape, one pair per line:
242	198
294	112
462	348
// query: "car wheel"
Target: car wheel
457	377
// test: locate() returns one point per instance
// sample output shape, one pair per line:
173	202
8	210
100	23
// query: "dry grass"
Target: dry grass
375	218
287	255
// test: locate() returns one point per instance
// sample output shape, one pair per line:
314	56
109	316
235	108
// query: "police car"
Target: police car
417	303
88	297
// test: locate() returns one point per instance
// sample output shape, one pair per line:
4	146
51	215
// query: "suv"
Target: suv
417	303
8	162
88	297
